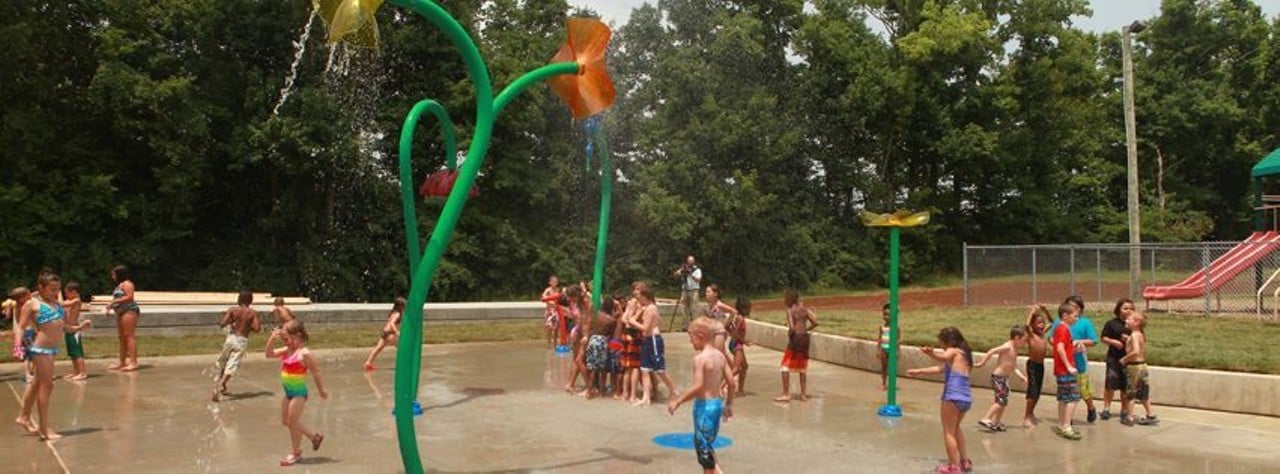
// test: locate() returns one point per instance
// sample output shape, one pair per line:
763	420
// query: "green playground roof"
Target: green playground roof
1269	166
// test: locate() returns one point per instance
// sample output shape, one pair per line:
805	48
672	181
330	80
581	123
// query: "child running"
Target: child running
390	333
738	342
1135	360
956	360
282	313
72	301
1037	349
800	321
240	321
883	352
710	372
1006	361
1064	369
295	362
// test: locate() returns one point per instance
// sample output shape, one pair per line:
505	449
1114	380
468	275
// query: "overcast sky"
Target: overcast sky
1107	14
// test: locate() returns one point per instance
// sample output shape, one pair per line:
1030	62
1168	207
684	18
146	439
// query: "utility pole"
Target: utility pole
1131	139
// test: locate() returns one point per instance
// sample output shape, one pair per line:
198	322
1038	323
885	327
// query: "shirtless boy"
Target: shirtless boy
710	371
652	350
1006	361
241	320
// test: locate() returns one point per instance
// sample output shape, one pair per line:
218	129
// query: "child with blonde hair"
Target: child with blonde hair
1135	364
710	373
295	362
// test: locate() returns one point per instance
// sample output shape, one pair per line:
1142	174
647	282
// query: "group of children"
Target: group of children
1067	341
620	352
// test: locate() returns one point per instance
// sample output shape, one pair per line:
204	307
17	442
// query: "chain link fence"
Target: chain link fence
1205	277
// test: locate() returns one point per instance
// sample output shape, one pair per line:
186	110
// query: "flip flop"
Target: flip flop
291	459
315	442
988	425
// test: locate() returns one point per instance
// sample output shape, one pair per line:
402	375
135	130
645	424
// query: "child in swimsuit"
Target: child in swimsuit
738	342
295	361
800	322
710	371
75	348
956	360
48	316
550	295
390	333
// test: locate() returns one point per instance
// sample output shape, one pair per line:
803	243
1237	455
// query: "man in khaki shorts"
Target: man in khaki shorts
690	285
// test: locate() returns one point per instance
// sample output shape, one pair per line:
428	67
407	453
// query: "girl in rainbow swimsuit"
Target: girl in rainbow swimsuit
295	362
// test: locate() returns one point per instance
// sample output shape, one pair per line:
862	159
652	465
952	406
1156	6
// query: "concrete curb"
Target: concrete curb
1256	394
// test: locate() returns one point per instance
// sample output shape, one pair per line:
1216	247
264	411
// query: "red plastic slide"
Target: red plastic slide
1222	270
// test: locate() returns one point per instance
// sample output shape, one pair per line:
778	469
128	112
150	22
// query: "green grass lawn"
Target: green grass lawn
105	347
1238	345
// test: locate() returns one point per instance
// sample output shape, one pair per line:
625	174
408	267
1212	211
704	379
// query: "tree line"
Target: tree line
749	134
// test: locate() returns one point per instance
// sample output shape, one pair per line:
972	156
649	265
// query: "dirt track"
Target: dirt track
984	294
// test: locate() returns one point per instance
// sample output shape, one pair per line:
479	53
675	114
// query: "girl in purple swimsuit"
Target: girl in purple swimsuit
955	360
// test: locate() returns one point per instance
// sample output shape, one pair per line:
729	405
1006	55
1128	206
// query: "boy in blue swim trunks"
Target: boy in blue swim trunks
653	351
710	372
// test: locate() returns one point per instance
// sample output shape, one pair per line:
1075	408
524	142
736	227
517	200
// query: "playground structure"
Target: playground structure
1192	277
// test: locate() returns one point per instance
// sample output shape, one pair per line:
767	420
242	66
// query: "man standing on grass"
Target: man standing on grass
690	284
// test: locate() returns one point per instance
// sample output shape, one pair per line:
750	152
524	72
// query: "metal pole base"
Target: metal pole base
890	410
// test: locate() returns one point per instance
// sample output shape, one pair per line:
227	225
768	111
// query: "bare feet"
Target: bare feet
78	377
49	435
803	397
129	368
315	441
213	396
115	366
741	393
26	424
786	397
640	403
569	389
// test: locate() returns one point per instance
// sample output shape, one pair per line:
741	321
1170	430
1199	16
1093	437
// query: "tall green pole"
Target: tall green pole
606	203
891	407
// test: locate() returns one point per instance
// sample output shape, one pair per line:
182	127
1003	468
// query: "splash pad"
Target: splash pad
577	75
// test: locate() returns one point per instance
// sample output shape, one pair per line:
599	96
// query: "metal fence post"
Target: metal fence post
966	274
1034	295
1204	262
1153	267
1072	254
1098	267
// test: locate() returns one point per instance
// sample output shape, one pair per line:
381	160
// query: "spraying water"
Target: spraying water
299	48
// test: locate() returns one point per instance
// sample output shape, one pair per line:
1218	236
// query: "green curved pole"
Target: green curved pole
409	354
536	76
413	240
606	204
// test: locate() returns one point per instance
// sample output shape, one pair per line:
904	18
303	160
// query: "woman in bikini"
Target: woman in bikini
127	313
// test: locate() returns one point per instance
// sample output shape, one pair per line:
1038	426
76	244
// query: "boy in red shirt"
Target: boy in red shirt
1065	371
